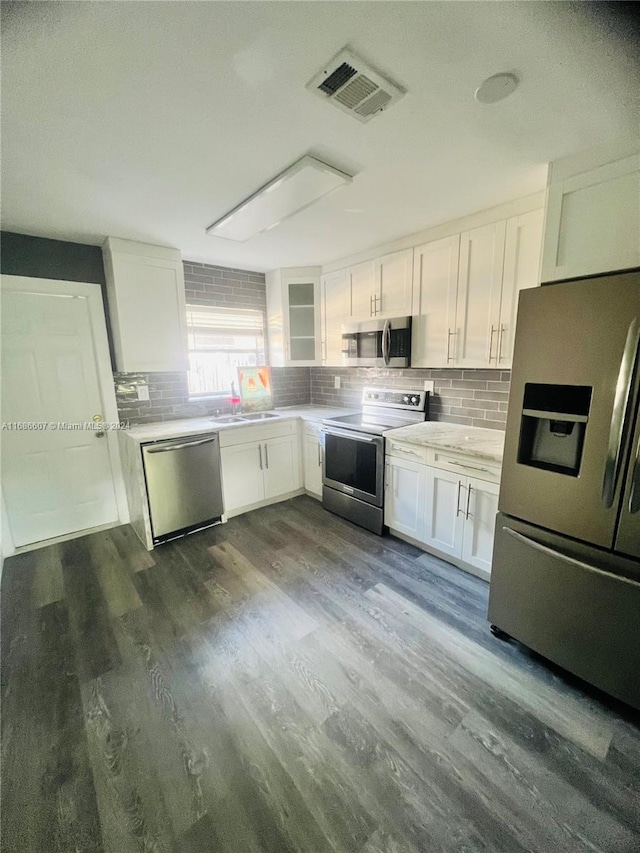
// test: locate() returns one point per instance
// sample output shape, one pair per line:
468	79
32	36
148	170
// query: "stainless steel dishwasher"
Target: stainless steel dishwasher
184	484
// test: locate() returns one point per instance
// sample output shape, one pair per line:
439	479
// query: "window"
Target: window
221	340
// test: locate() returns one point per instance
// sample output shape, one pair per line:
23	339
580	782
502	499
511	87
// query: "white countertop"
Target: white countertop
191	426
472	441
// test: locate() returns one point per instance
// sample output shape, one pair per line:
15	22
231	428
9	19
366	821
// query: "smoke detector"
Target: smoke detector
354	87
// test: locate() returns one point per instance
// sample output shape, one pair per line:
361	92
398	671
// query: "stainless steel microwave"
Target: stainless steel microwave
377	343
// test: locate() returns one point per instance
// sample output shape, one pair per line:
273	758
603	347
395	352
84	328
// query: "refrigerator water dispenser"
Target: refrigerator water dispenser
553	426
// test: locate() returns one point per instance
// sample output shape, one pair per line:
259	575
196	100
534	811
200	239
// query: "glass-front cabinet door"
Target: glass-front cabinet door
302	321
293	316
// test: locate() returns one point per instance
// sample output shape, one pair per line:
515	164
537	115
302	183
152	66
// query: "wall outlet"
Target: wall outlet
429	385
143	392
336	381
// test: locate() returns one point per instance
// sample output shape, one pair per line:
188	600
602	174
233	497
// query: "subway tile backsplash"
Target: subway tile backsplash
471	397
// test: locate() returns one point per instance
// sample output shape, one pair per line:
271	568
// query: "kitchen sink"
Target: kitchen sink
259	416
227	419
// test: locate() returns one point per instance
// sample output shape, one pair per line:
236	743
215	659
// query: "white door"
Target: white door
480	519
435	283
313	464
404	496
478	302
336	308
444	515
362	290
281	468
55	480
242	475
522	253
393	284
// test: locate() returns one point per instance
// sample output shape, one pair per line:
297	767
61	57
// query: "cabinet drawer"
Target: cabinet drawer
468	466
257	432
402	450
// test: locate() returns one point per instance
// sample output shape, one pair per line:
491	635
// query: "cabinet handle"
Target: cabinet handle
450	334
377	299
458	510
467	513
500	337
260	455
319	454
469	467
371	309
494	329
266	456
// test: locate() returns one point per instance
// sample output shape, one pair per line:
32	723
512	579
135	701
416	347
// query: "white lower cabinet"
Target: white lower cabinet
280	466
451	514
242	476
443	522
259	465
313	451
404	496
479	523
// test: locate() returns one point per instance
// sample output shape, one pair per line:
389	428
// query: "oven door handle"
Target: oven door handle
356	436
386	341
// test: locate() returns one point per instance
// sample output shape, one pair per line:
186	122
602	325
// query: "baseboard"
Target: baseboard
33	546
267	502
459	564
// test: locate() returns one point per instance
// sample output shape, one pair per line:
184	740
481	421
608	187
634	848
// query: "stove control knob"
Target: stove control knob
415	401
405	399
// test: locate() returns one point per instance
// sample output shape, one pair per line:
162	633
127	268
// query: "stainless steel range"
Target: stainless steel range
353	469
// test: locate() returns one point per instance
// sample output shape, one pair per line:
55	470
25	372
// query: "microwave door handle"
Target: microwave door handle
620	406
386	341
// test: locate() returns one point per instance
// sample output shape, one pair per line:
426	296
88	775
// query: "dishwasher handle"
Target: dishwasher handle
169	447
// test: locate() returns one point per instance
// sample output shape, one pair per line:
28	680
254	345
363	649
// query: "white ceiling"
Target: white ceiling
149	121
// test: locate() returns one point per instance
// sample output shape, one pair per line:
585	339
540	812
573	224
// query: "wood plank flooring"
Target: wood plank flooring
289	683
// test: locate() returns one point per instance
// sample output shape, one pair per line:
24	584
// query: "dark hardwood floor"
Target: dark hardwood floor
288	682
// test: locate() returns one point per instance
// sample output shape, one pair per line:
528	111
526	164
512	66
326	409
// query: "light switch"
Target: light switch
336	381
143	392
429	385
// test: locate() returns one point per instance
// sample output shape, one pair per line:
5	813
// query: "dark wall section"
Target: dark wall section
40	257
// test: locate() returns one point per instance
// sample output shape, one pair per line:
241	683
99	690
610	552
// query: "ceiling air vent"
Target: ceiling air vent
354	87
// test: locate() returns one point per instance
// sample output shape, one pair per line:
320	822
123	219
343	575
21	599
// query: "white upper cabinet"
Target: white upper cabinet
393	284
145	291
336	309
435	284
522	253
475	338
362	288
465	292
382	287
293	316
593	217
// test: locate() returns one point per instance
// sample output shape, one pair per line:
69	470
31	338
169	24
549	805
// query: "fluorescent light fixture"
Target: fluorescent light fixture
307	180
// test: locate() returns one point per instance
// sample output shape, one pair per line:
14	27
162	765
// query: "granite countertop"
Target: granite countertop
191	426
472	441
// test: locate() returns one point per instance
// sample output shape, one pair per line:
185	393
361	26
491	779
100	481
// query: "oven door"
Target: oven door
354	464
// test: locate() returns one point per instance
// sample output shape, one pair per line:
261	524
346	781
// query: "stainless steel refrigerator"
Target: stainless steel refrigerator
566	564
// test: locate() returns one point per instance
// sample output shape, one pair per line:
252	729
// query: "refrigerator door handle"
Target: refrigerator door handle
634	497
550	552
620	405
